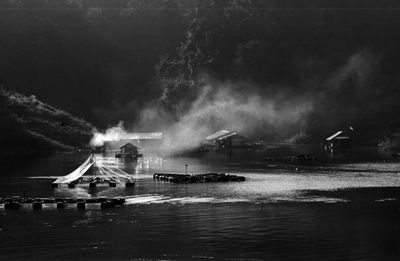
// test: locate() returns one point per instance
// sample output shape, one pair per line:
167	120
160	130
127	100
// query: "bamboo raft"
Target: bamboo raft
60	203
197	178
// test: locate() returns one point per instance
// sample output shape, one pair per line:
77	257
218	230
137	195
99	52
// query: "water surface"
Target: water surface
345	205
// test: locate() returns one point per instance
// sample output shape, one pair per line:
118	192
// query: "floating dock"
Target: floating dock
197	178
60	203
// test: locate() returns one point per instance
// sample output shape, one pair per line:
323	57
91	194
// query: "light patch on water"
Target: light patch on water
76	192
44	177
158	199
297	197
288	183
366	167
321	200
385	199
144	199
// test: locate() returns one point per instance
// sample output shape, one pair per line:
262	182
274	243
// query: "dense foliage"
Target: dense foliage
105	60
341	55
94	58
31	126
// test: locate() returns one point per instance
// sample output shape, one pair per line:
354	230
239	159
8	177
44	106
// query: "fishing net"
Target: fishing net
105	172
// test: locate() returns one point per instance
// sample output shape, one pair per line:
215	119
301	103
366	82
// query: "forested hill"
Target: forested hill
106	60
342	57
93	58
29	126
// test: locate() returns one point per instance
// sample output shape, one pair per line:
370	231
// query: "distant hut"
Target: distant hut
213	137
227	139
339	140
129	150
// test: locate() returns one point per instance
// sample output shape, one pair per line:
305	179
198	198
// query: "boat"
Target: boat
93	172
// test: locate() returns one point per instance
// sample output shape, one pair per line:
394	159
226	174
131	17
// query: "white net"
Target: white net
113	172
105	172
76	174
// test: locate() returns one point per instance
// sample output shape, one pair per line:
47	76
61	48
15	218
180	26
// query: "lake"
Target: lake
340	206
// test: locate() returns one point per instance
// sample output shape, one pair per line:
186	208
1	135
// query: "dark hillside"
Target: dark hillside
107	61
340	56
30	126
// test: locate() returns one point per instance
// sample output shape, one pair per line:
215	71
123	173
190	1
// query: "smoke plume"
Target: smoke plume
219	106
111	134
349	95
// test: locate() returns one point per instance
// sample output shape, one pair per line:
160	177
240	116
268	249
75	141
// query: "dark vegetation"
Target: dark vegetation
92	58
390	142
29	126
104	60
340	55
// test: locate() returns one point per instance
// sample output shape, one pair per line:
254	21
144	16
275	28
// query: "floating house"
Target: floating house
129	148
339	140
227	139
129	151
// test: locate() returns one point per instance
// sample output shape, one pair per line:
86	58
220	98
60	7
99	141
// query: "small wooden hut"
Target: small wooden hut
339	140
128	151
129	148
227	139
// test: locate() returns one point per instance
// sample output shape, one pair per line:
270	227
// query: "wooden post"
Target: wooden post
206	162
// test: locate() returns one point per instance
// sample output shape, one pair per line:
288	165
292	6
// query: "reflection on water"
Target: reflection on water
76	192
266	181
341	206
134	166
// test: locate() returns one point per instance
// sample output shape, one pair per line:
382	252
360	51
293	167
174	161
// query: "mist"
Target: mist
219	106
111	134
345	96
353	94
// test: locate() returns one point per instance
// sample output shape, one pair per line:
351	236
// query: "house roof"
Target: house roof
140	136
227	135
130	145
218	135
337	136
144	136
